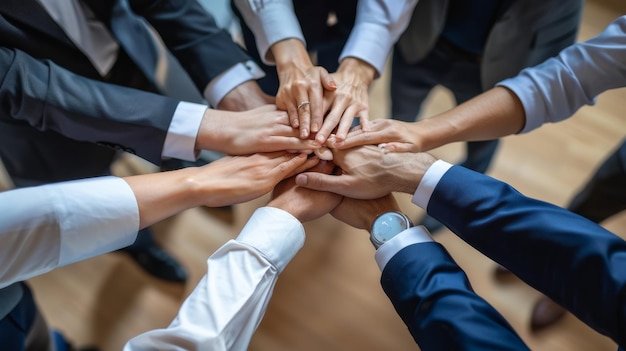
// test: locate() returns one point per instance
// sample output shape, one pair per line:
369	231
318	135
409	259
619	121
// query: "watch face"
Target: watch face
388	225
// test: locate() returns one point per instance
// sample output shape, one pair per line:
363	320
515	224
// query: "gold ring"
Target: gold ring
303	103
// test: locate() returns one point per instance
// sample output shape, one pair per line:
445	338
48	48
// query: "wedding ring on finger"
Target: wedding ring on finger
303	103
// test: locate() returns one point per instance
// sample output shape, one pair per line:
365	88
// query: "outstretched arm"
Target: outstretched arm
49	226
228	304
430	292
547	93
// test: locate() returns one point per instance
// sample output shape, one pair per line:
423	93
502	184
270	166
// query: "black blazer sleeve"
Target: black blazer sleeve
49	97
572	260
434	298
190	32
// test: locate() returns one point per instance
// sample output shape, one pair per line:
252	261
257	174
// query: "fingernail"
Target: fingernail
301	179
320	139
304	133
296	123
315	128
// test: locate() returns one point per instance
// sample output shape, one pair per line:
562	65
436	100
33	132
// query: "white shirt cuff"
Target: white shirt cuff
275	233
180	141
413	235
271	22
361	45
230	79
101	216
431	178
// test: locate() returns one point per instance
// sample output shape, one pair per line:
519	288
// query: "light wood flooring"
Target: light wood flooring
329	297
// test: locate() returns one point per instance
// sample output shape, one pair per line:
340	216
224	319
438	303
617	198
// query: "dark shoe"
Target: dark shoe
430	223
545	313
158	263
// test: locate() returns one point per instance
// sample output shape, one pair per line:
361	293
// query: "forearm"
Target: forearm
425	306
491	115
49	97
556	89
191	34
227	305
290	53
506	226
161	195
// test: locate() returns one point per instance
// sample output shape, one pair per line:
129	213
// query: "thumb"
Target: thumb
290	162
327	81
321	182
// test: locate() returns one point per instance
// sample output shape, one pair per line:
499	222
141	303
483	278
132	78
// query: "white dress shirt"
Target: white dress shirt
378	25
228	304
557	88
49	226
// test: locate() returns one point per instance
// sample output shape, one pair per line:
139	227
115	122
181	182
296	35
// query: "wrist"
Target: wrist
287	207
409	176
290	53
388	225
362	69
211	130
431	133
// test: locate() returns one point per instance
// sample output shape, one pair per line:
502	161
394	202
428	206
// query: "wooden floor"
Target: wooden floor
329	298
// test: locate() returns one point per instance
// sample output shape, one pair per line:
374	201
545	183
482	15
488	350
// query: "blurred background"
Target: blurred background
329	297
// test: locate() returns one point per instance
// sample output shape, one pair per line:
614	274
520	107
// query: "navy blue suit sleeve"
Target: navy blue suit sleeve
49	97
434	298
567	257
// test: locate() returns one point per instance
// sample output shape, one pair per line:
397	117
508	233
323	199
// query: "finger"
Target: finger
275	143
317	108
364	119
332	119
309	164
354	140
346	122
285	103
327	80
323	166
288	164
304	115
322	182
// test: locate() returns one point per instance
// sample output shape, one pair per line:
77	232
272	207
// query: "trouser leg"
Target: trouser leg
605	193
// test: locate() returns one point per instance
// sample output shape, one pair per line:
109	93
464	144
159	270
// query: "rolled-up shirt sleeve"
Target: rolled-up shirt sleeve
49	226
556	89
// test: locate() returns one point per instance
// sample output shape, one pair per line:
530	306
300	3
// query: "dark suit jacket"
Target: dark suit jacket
434	298
567	257
526	34
62	105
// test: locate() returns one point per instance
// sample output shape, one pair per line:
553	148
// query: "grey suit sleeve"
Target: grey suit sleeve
51	98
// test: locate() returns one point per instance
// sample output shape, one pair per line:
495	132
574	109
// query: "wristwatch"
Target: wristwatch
387	225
